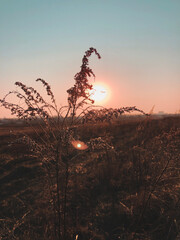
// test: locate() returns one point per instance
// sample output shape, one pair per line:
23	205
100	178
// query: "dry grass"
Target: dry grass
132	193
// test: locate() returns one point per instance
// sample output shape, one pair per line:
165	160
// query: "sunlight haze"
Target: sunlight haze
139	42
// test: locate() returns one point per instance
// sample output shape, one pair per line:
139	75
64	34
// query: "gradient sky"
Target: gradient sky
139	41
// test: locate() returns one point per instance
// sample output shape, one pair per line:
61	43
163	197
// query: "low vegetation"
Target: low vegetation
81	173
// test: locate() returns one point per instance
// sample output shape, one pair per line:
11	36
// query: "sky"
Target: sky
138	40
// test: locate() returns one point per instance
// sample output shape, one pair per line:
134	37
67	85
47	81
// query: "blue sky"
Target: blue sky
139	41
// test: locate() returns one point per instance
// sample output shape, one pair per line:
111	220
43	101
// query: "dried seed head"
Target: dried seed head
81	86
48	89
107	114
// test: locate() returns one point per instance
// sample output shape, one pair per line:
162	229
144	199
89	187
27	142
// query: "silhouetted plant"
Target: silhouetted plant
56	134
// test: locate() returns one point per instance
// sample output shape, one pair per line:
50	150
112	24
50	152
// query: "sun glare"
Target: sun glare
99	93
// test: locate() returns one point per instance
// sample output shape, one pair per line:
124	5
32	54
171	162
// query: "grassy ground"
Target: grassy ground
129	192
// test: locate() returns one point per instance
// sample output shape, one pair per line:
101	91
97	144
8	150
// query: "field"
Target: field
128	191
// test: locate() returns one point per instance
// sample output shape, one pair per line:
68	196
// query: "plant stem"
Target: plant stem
58	192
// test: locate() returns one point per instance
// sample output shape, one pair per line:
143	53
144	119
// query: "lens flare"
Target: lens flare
79	145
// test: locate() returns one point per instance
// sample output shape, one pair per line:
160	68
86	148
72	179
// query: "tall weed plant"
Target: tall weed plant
56	140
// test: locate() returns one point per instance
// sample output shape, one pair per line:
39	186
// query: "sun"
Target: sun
99	93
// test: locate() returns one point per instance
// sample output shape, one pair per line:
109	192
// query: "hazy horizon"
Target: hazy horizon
139	43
